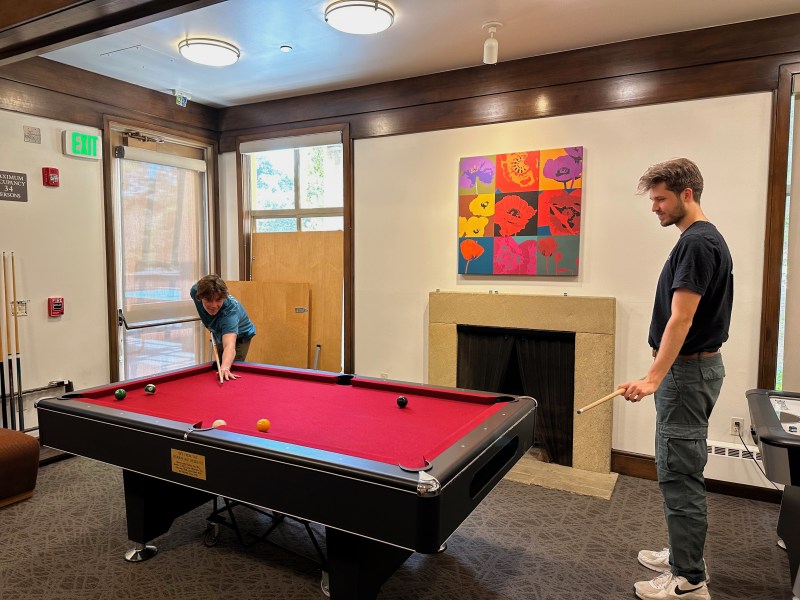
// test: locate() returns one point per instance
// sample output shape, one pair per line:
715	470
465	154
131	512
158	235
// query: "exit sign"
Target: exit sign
82	145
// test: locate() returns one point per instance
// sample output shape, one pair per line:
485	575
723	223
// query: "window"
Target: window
294	184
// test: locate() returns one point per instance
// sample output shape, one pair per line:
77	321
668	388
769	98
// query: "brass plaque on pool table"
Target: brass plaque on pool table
186	463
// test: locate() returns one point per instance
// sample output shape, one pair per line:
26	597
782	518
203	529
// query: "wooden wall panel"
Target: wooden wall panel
282	333
49	89
315	258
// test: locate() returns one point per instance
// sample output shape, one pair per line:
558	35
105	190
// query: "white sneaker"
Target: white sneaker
668	586
659	561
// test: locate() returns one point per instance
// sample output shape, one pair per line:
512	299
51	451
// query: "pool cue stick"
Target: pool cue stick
216	358
8	347
20	400
614	394
2	364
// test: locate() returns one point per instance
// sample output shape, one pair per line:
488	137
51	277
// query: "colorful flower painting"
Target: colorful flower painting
519	213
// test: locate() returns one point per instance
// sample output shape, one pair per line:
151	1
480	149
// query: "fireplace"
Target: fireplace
592	320
523	362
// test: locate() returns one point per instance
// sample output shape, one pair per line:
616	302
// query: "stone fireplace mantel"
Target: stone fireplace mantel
592	319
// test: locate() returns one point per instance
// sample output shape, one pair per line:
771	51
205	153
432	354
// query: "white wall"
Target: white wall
406	226
58	240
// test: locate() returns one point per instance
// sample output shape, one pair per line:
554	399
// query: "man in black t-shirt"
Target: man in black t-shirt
691	316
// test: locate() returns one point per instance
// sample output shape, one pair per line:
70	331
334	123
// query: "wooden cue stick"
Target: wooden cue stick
614	394
20	401
8	347
2	364
216	358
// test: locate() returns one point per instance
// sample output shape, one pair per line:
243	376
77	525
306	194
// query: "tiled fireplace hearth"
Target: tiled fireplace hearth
593	321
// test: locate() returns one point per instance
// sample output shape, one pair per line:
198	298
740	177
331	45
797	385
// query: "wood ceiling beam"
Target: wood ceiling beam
34	27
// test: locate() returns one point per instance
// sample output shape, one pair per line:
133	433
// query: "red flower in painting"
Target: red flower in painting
547	247
508	256
565	214
470	250
512	214
511	258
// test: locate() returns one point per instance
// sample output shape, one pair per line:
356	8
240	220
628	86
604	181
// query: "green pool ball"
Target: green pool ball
150	388
120	394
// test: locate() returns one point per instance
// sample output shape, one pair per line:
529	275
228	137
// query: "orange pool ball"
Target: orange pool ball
263	425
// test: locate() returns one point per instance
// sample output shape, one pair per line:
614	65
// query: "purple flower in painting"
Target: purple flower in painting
576	153
474	169
563	169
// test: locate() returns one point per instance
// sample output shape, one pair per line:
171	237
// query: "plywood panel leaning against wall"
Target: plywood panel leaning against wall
280	313
316	258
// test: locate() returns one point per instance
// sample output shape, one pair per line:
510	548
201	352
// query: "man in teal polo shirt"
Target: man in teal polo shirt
226	318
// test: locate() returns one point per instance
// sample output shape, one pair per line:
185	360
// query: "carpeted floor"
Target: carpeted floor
522	543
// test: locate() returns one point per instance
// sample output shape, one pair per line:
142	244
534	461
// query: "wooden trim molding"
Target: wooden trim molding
707	81
644	467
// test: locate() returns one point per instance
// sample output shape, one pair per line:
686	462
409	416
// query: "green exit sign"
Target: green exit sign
82	145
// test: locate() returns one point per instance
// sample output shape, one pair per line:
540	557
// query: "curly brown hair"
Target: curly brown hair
211	287
677	174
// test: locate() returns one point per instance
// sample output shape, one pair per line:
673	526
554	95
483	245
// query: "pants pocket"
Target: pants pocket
713	373
686	456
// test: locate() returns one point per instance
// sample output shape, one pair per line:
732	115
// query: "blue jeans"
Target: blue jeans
684	402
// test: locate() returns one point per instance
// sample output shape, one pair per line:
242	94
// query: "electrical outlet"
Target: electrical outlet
737	425
384	376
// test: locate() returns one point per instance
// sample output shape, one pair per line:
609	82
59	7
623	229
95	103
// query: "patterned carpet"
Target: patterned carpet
523	542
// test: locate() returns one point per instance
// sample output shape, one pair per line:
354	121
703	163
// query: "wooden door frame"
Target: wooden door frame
775	221
212	184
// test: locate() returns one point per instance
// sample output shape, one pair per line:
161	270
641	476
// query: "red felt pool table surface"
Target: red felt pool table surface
360	418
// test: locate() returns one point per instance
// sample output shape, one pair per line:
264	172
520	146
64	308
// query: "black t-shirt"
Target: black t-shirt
700	262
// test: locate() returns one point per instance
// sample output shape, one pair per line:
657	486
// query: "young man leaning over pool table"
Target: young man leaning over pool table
227	320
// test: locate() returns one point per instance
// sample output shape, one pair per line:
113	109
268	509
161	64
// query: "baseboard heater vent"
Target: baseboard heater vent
733	451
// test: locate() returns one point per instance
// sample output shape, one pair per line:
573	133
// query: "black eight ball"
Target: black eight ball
402	401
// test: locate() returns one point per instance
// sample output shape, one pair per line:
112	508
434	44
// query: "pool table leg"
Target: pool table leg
151	505
359	566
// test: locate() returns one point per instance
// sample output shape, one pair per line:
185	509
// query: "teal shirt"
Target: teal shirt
231	318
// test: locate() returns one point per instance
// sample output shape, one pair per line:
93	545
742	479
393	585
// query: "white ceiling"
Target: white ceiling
428	36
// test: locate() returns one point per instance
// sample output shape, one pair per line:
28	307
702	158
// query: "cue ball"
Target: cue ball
402	401
150	389
218	423
263	425
120	394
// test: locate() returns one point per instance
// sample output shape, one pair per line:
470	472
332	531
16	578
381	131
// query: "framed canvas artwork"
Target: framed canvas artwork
520	213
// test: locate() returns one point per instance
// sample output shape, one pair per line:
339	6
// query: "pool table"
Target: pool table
775	420
384	481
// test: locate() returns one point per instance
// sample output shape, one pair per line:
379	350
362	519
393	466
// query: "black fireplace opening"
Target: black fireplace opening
525	362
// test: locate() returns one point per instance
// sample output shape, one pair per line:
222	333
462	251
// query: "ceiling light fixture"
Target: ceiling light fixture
286	48
206	51
490	46
359	16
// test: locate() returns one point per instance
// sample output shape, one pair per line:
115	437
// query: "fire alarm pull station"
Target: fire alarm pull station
50	177
55	307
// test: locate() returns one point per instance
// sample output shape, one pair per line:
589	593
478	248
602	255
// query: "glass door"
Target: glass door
162	245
